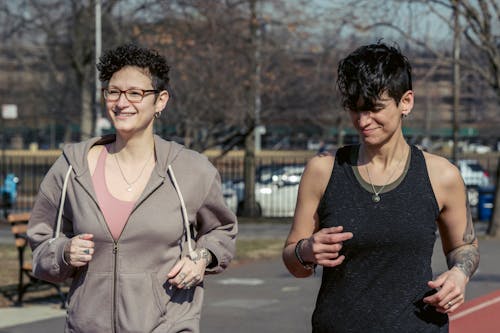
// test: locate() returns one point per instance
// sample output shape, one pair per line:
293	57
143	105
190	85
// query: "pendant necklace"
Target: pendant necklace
129	188
376	195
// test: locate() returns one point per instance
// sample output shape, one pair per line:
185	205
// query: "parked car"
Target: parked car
475	178
230	196
275	199
473	173
276	190
287	174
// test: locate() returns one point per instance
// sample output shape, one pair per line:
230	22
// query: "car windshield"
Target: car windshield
475	167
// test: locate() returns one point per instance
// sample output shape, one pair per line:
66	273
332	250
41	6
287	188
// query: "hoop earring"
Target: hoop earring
157	115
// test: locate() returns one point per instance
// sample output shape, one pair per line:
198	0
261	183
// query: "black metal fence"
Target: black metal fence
276	185
277	178
29	171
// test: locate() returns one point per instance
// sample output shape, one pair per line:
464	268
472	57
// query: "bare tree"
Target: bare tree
60	34
211	46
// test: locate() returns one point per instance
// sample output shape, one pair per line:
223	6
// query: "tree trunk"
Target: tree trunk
86	107
340	130
249	205
250	208
68	134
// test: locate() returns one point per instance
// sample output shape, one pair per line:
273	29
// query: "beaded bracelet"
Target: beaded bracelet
309	266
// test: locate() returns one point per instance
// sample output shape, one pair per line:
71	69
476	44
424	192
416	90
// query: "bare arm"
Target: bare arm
318	246
305	219
466	256
457	235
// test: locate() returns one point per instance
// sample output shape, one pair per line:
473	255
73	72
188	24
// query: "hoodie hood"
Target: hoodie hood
76	153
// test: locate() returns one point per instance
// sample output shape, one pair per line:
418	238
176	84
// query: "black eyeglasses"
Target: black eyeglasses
132	95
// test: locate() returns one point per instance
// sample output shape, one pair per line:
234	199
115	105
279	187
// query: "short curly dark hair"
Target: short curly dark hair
131	54
368	72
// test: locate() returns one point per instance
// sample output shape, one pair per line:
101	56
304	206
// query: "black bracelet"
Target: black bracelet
307	265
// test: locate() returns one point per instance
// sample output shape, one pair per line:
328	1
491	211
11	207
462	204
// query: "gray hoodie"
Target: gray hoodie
124	288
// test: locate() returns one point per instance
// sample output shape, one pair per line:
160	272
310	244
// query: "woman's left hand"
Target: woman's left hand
187	273
451	291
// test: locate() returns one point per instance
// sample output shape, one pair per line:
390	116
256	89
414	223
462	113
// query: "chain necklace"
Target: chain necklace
376	194
129	188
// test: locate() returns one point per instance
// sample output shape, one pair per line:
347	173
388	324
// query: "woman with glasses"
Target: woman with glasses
143	219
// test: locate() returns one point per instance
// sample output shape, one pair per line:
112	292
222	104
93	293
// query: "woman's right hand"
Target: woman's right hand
323	247
79	250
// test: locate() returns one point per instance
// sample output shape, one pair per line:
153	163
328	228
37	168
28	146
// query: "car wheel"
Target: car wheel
259	210
239	211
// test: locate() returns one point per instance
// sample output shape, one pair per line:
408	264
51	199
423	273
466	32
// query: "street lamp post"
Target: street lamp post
98	49
456	78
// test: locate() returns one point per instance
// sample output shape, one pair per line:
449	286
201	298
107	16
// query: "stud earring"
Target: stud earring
157	115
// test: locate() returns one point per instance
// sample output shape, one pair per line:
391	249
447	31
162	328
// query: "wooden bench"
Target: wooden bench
27	282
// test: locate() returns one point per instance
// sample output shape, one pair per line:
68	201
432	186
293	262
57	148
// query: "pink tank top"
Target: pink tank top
115	211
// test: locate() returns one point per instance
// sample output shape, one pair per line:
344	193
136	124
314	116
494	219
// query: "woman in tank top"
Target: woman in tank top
369	214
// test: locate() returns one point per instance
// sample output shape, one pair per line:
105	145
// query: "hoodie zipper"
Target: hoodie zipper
115	273
114	314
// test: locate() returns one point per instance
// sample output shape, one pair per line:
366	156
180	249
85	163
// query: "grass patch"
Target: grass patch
258	220
10	264
254	249
8	270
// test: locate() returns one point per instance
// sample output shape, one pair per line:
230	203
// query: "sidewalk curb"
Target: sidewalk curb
21	315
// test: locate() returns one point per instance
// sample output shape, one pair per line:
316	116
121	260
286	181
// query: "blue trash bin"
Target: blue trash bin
485	202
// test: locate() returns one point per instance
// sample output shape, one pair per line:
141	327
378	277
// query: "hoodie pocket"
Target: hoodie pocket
141	301
90	304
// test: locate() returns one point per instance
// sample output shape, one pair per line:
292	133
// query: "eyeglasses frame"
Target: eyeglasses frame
145	92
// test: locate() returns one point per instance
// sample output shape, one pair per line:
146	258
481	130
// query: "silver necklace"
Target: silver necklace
376	195
129	188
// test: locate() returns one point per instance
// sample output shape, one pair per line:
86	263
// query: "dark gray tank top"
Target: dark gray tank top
380	285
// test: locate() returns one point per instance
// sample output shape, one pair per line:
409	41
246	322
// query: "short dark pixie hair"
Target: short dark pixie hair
133	55
368	72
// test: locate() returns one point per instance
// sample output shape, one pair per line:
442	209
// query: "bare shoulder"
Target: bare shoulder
442	172
317	173
320	165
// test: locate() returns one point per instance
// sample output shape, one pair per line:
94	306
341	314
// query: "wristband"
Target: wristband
307	265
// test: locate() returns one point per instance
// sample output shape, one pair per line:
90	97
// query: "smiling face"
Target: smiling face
129	117
377	126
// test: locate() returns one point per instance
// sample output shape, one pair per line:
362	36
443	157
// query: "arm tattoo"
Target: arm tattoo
469	233
465	257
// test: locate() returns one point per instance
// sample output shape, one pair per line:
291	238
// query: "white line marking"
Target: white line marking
243	303
241	281
475	308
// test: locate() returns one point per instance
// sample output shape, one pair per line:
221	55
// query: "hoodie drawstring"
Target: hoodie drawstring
61	204
192	253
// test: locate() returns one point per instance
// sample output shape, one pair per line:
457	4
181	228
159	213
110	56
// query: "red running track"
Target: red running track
480	315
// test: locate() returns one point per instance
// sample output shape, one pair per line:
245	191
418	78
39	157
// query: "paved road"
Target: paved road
246	231
263	297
